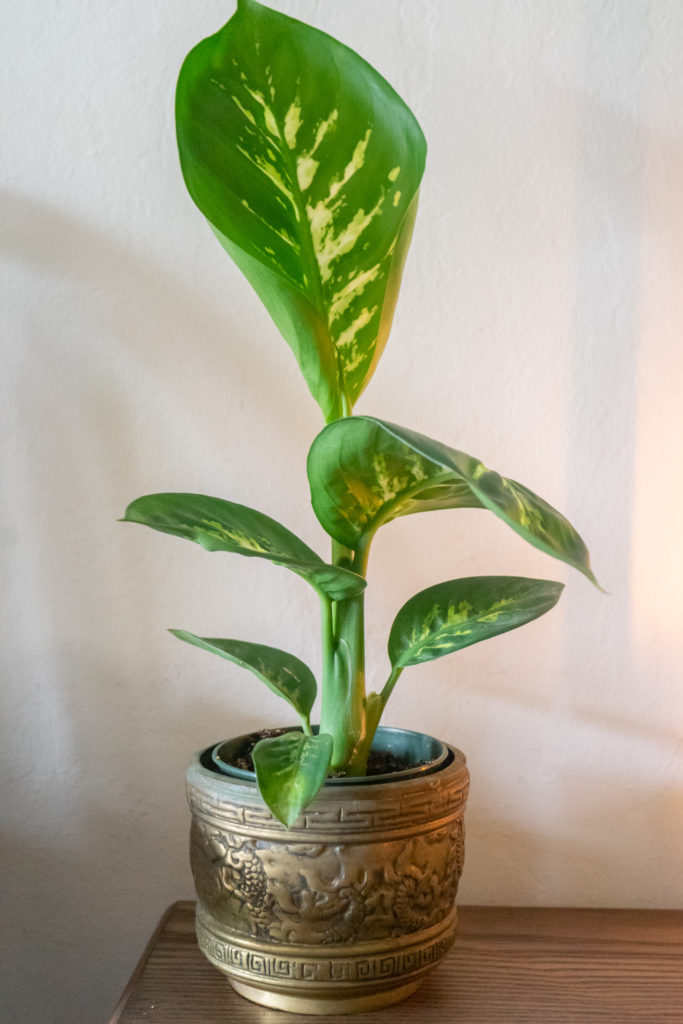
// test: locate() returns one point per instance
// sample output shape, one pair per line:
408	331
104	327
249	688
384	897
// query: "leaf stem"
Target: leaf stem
360	557
328	644
390	684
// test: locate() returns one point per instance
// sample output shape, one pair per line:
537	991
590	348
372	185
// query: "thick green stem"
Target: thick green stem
342	712
343	691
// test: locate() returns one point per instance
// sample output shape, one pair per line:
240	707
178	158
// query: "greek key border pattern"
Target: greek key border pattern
251	965
442	802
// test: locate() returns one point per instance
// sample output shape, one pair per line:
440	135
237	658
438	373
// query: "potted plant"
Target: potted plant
322	888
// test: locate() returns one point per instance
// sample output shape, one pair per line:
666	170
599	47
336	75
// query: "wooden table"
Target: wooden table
508	966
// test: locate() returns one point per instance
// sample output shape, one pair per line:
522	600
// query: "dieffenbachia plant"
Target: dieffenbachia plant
307	165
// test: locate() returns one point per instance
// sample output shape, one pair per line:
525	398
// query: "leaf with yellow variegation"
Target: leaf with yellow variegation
282	673
219	525
290	769
307	164
453	615
364	472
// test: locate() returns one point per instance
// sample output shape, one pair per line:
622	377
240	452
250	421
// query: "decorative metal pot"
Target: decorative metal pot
350	908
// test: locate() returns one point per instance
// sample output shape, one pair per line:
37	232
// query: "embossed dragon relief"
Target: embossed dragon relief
326	894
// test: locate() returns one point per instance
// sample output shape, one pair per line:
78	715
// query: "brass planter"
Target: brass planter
346	911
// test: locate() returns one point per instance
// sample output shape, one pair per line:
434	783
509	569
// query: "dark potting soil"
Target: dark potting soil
380	762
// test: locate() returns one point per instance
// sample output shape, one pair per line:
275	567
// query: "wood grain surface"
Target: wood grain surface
509	966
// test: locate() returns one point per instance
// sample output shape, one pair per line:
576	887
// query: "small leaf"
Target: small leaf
459	613
281	672
364	472
306	163
219	525
290	769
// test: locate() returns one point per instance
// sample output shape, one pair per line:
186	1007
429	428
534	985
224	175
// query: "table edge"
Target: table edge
147	952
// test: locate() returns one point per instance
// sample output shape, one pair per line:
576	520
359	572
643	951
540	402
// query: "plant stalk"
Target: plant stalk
343	689
342	713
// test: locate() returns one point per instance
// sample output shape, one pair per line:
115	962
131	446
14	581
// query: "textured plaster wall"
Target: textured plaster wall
539	328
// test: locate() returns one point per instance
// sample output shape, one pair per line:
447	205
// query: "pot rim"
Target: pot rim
436	754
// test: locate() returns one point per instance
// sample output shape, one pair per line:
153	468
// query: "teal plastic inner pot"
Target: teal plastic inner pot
425	753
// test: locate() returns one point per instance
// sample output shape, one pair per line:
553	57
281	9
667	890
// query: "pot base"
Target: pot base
326	979
325	1006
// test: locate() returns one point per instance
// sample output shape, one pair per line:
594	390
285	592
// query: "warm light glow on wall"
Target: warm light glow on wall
657	528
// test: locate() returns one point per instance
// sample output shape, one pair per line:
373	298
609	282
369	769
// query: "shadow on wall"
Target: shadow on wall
76	928
121	292
79	452
89	902
103	850
89	858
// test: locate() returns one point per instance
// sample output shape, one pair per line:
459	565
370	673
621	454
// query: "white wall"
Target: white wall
539	328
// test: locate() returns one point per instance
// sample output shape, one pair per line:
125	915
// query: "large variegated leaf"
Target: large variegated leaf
282	673
459	613
307	164
290	769
219	525
364	472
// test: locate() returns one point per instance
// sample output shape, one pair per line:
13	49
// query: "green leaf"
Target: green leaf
307	164
281	672
364	472
459	613
219	525
290	769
